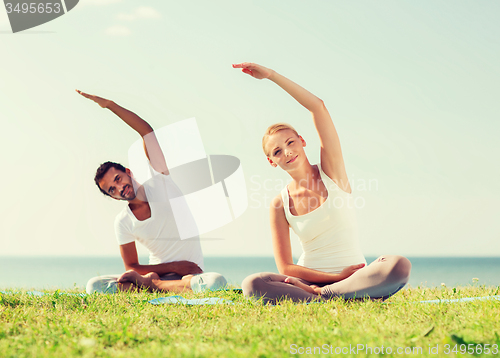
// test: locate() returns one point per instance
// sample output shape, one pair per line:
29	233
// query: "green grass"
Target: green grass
125	325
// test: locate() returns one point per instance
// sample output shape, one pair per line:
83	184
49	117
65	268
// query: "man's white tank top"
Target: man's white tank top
328	234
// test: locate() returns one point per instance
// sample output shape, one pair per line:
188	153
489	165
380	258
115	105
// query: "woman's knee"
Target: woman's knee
401	268
255	283
250	284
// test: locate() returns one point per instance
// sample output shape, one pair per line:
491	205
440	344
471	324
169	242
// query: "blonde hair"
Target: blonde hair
274	129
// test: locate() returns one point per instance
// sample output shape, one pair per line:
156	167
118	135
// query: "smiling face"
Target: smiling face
118	184
285	149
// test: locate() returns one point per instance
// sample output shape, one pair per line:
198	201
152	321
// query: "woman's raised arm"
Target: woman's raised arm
332	161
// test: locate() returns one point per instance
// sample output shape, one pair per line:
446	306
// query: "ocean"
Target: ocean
69	272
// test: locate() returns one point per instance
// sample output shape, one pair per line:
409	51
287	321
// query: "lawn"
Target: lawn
126	325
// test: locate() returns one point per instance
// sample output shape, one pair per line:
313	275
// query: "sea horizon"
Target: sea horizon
66	272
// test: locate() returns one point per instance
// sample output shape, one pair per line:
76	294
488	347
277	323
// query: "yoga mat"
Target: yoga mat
465	299
217	300
38	293
179	300
32	293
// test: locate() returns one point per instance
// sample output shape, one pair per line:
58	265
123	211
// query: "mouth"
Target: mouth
292	160
126	191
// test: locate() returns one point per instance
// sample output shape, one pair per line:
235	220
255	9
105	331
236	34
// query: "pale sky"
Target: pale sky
412	87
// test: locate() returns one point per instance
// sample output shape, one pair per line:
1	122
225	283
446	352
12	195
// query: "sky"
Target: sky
412	88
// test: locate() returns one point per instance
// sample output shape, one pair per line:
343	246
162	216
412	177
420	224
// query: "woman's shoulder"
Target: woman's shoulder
277	202
340	182
278	206
277	212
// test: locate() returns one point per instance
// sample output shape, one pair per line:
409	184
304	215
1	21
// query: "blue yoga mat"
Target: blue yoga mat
217	300
38	293
465	299
179	300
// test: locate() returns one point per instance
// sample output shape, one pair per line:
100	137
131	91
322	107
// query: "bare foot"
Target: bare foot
145	281
129	276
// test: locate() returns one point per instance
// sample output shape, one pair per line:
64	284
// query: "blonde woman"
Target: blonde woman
317	204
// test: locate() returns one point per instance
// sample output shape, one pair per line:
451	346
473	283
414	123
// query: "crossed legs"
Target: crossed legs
379	280
170	282
131	280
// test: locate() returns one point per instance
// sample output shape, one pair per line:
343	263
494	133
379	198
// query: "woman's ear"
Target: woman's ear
303	141
271	162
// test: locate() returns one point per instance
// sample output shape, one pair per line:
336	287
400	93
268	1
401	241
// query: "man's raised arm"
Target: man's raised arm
151	145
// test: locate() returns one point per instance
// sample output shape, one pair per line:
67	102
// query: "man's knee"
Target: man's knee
102	284
208	281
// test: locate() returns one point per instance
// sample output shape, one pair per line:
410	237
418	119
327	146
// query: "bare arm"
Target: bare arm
332	161
131	262
151	145
280	232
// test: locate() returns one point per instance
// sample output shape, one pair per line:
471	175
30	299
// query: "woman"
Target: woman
317	204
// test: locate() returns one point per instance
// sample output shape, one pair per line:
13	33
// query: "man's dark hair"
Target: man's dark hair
103	169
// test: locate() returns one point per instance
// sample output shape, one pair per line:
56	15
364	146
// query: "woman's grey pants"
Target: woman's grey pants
381	279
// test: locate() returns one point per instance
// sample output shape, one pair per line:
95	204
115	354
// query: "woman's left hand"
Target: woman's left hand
293	281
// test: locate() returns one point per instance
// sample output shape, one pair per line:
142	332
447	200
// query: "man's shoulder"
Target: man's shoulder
122	217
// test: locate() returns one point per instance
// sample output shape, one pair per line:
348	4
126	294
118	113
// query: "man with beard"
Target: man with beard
175	264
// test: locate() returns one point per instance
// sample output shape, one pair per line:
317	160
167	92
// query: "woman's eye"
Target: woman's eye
290	142
277	152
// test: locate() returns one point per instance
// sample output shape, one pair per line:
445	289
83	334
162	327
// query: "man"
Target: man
174	264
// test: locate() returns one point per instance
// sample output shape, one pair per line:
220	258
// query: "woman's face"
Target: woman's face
285	149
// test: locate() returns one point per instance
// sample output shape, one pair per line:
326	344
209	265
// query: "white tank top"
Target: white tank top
328	234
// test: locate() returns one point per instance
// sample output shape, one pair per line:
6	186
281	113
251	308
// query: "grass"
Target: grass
126	325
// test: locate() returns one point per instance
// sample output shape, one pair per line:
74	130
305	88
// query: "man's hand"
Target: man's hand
184	268
256	71
103	102
349	270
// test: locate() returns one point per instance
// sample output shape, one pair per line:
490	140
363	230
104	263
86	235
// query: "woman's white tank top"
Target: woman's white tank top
328	234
